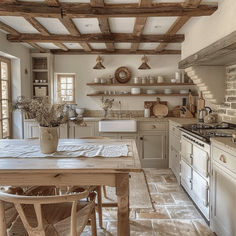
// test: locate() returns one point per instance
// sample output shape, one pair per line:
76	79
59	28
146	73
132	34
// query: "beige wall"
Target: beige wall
82	66
200	32
20	82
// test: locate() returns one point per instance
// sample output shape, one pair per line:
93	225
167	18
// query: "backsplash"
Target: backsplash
227	111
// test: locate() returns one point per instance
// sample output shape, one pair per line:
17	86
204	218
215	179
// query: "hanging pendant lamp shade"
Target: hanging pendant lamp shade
99	64
144	65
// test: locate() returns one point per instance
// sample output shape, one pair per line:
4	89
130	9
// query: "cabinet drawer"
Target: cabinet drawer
174	129
152	126
224	158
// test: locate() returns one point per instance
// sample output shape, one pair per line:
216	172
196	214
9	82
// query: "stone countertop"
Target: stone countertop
178	121
226	143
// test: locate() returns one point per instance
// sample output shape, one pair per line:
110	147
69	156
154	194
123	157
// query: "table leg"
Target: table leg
3	230
122	192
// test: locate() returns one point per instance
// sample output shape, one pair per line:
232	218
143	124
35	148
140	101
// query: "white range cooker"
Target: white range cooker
196	162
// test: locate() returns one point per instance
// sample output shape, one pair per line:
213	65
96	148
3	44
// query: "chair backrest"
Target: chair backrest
37	202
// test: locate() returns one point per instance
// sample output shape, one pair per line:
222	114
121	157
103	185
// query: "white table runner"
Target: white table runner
64	150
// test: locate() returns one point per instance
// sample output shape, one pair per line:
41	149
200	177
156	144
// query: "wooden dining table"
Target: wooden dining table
70	171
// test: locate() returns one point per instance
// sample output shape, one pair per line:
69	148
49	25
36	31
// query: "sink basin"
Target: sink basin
117	126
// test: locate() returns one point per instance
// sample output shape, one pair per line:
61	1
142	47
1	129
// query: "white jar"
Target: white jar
97	80
160	79
137	80
147	112
177	77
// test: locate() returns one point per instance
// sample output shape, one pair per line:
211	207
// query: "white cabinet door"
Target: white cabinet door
76	131
31	129
186	150
152	146
63	131
223	205
201	161
186	176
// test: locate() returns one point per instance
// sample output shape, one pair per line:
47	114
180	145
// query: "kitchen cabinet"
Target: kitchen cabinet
76	131
223	194
152	149
174	149
31	130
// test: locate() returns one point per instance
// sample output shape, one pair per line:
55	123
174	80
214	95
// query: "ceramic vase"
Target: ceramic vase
48	139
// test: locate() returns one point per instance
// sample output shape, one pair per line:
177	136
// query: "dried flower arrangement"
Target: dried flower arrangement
46	114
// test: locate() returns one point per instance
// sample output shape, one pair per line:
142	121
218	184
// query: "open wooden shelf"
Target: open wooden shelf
139	95
150	85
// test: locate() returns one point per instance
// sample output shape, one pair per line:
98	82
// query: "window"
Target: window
66	88
5	118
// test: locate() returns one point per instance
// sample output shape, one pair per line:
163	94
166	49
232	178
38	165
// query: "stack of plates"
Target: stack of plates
167	91
150	91
183	91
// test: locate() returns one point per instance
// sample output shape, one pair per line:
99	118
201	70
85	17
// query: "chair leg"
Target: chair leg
93	223
104	191
99	206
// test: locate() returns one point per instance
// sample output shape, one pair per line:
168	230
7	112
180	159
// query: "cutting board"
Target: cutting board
200	103
152	104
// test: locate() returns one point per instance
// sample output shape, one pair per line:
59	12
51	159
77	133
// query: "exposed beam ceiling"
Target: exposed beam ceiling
180	21
69	25
117	51
96	38
28	9
140	23
8	29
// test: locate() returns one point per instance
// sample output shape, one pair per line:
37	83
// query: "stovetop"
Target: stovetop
206	131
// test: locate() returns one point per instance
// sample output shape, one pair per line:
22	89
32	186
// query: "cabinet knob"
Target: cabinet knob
141	138
223	158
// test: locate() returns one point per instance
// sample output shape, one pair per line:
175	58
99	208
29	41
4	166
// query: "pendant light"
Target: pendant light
99	64
144	65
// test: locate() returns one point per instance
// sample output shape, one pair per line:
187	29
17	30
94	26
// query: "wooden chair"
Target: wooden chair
54	215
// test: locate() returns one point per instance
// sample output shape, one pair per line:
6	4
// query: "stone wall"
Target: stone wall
227	111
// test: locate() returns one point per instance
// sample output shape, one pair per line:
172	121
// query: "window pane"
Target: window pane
4	71
63	92
4	90
4	109
69	98
69	92
70	86
63	86
63	80
69	80
5	128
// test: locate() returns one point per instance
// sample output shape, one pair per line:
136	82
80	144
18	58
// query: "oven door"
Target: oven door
186	176
201	161
186	150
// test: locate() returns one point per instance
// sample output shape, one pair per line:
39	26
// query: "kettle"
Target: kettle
203	113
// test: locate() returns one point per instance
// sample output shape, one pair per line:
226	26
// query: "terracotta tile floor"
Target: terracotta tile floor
173	215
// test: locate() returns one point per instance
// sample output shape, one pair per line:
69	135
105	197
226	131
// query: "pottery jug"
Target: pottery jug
48	139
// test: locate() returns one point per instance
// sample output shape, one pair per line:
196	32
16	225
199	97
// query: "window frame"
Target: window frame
9	99
59	76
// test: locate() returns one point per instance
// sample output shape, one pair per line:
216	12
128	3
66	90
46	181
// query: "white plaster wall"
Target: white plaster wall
82	66
20	82
200	32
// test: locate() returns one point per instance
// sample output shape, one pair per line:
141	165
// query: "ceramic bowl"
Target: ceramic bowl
135	90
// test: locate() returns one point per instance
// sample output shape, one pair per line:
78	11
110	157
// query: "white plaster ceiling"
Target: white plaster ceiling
87	25
47	45
158	25
97	45
148	46
19	24
122	45
73	45
174	46
122	25
53	25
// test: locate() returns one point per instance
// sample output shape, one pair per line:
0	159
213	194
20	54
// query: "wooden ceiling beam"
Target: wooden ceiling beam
52	3
117	51
77	11
180	21
103	23
96	38
43	31
140	23
8	29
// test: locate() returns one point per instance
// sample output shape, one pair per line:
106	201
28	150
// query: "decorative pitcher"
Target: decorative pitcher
48	139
